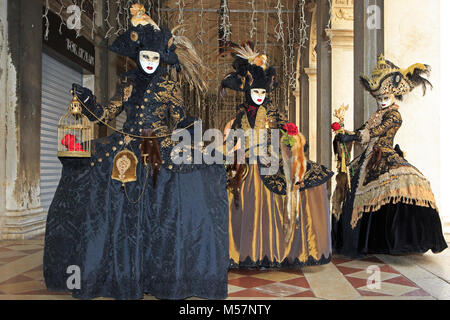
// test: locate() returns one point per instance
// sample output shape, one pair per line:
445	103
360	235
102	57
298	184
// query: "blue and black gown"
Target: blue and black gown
165	236
391	208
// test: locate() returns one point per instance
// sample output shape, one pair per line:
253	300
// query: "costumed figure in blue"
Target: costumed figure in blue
133	220
389	207
279	219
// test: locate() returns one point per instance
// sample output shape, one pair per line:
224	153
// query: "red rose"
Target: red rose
291	129
335	126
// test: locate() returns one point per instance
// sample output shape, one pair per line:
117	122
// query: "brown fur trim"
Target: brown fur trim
300	163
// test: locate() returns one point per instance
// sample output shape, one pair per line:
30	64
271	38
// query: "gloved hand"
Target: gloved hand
90	105
344	138
83	93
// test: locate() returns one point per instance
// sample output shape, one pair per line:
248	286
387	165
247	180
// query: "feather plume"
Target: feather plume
192	66
140	17
418	66
248	52
365	82
414	74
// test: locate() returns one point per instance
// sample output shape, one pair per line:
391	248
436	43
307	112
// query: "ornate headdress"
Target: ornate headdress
178	51
251	70
387	78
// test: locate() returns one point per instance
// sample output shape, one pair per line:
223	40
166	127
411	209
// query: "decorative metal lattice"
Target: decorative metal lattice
277	27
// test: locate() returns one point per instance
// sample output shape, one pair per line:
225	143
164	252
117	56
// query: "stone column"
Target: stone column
297	91
368	44
112	68
21	214
5	63
106	71
323	84
312	110
101	63
341	36
307	93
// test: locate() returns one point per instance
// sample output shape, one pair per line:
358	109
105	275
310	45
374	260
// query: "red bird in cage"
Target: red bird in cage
70	142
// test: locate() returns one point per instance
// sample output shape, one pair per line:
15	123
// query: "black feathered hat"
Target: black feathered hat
251	71
144	34
387	78
174	50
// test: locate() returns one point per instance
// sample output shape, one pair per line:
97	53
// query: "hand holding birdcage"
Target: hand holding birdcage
91	109
81	92
75	132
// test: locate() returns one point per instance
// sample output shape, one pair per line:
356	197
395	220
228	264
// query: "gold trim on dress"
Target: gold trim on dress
127	91
401	185
124	166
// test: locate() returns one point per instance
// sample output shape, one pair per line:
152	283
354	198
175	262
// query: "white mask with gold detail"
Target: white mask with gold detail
385	100
149	61
258	96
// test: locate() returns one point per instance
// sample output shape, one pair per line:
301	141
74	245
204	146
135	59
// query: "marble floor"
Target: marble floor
424	277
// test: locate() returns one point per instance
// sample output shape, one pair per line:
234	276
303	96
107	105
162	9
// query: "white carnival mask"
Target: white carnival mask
258	96
384	101
149	61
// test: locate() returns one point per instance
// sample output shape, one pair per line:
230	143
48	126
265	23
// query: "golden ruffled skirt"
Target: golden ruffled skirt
256	231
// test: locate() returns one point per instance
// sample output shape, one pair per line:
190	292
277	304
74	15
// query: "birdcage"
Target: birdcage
75	132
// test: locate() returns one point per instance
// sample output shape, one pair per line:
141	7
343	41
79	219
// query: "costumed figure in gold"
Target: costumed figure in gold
389	207
278	219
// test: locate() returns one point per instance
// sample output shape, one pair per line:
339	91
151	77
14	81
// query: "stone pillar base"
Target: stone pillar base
22	225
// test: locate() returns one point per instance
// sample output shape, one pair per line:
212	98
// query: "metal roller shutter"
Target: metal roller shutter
57	81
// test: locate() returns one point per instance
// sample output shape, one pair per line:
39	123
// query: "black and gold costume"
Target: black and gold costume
257	203
390	208
161	231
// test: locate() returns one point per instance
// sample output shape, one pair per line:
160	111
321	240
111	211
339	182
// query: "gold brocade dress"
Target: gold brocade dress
256	215
391	208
